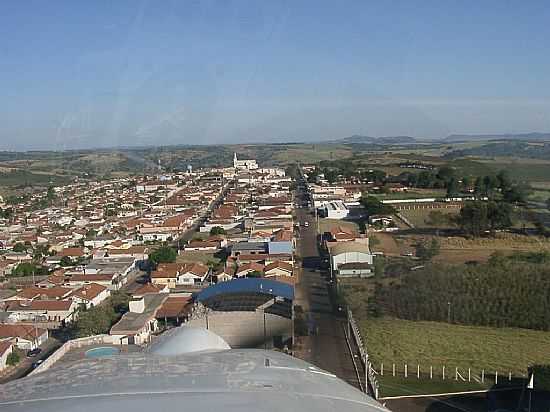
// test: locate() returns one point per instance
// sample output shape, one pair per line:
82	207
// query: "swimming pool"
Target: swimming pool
102	351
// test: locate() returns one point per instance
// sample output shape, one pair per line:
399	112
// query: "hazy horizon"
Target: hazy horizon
79	76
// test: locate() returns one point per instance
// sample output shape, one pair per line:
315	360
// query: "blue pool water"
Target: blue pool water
102	351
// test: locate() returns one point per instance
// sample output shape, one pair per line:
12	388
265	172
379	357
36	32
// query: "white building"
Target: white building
350	259
248	164
335	210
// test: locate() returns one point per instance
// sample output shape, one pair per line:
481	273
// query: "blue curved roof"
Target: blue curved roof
251	285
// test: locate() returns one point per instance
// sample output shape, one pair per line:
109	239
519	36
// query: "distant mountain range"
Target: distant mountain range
378	140
399	140
505	136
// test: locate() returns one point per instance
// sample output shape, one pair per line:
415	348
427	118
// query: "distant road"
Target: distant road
326	346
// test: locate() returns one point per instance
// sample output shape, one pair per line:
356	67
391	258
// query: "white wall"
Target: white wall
351	257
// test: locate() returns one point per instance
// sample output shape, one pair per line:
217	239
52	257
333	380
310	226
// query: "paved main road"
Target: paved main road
325	346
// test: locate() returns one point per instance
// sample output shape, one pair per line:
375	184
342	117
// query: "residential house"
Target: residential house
24	336
58	311
138	324
90	295
247	268
278	269
173	274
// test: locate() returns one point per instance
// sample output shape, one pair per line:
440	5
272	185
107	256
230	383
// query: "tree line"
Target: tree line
509	291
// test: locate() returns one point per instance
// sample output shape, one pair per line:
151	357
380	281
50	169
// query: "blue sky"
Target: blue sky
104	73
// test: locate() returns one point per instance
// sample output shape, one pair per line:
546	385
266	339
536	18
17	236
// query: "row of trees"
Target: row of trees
496	186
473	295
478	217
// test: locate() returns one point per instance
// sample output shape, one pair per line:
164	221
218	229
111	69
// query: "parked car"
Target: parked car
37	363
34	352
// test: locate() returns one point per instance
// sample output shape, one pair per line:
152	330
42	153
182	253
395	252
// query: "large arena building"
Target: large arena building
250	312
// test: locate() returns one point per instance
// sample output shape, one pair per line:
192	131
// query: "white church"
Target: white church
248	164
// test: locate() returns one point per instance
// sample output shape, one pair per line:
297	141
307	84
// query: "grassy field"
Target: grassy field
198	256
436	344
420	217
399	385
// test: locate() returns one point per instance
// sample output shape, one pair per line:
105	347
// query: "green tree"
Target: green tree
164	254
473	218
65	261
19	247
255	274
6	213
373	206
50	194
452	187
517	194
466	183
28	269
446	173
490	183
499	215
504	180
217	230
94	321
478	187
91	233
13	358
425	251
119	300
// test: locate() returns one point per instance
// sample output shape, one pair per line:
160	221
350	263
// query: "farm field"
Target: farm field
436	344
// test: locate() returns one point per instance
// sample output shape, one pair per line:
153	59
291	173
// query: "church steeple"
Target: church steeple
235	159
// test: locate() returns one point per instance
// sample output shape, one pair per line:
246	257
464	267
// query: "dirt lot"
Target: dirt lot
325	225
385	243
